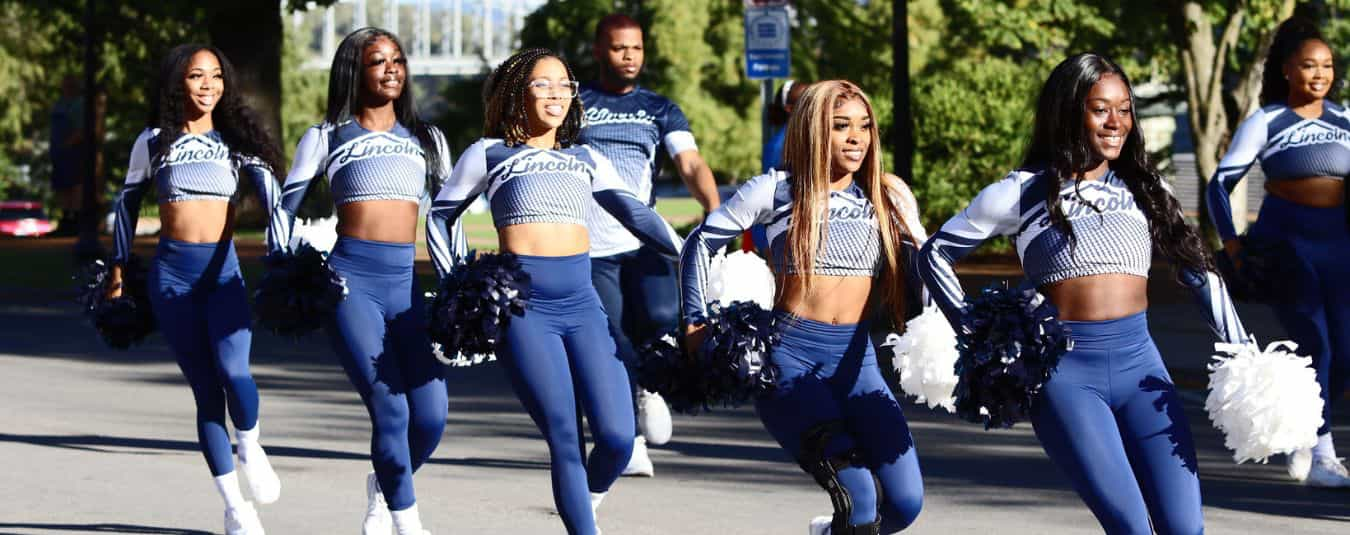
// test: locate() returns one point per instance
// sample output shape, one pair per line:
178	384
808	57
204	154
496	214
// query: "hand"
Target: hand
1233	248
114	282
693	338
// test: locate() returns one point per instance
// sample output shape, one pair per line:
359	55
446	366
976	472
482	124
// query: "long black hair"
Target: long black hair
1290	36
238	125
504	111
344	91
1060	145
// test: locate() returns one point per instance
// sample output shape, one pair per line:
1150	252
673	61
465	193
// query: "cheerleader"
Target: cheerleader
201	139
1086	211
1303	142
539	185
379	157
836	226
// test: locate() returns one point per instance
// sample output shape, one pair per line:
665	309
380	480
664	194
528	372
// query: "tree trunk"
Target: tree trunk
249	32
902	123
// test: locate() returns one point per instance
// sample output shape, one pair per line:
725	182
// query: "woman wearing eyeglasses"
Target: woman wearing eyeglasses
539	186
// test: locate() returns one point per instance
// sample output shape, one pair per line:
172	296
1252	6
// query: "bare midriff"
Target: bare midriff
544	239
833	299
391	221
1098	297
1313	192
197	221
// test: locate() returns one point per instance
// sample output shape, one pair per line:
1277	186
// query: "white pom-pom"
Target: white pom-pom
320	234
740	276
460	360
925	357
1265	402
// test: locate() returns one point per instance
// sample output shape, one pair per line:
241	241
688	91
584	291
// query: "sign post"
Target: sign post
767	54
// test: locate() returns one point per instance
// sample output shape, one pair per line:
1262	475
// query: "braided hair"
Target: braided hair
238	125
345	91
1060	146
505	114
1288	39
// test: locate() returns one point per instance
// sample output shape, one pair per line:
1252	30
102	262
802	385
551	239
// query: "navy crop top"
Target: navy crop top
851	247
196	167
531	185
364	165
1112	237
1288	146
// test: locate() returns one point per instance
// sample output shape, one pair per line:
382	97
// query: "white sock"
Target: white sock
407	521
596	498
228	485
248	440
1324	447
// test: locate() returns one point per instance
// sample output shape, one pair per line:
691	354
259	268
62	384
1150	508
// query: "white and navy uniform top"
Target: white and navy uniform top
851	246
1112	237
629	130
1288	146
365	165
196	167
531	185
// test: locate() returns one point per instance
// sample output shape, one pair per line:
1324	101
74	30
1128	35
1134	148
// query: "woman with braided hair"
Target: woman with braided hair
202	138
379	159
539	185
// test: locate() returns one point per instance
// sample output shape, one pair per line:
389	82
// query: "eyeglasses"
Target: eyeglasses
547	88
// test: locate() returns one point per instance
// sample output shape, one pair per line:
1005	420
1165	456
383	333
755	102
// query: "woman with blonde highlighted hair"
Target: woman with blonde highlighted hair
838	227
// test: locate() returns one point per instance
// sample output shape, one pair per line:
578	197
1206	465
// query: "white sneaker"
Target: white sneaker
262	480
596	498
639	464
653	417
1327	472
1299	463
820	525
378	520
243	520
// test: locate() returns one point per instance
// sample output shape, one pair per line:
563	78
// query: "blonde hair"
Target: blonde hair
807	155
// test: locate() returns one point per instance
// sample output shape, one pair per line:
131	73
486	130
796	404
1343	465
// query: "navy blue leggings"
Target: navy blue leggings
1318	315
561	349
829	373
1111	420
641	296
379	333
200	303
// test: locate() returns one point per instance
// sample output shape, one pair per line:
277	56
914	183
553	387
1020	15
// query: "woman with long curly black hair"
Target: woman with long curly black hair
379	159
201	138
1302	139
539	185
1086	211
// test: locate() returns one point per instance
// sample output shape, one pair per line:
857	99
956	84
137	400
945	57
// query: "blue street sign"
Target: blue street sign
766	42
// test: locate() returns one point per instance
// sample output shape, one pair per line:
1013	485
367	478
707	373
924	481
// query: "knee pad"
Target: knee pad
825	470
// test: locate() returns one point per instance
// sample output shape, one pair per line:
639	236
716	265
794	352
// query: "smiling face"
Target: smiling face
850	137
548	95
1310	71
203	84
383	72
1108	117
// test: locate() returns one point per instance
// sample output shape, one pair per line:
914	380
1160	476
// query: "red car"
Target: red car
23	218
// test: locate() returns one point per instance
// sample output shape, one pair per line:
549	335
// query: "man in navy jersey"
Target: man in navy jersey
630	125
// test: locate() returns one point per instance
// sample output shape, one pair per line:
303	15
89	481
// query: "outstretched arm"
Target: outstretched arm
752	203
309	158
269	192
992	212
466	182
1248	141
441	240
127	205
1212	296
611	194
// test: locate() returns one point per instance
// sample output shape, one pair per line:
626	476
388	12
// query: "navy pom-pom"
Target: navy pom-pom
124	320
298	291
474	304
1009	342
731	367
